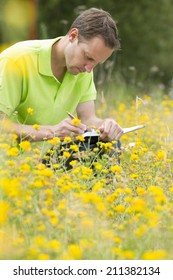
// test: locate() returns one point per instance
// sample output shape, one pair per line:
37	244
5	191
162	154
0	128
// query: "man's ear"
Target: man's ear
73	34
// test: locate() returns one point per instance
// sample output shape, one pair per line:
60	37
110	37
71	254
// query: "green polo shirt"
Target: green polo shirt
27	81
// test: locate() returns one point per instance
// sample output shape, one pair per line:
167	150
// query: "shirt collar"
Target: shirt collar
45	56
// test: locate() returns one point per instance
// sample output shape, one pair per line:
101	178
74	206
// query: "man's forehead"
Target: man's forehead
96	49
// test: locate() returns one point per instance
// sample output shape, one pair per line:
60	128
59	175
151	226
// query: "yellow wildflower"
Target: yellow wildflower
134	157
80	138
25	145
161	155
140	191
76	121
67	139
154	255
66	154
74	147
30	111
119	208
75	251
54	245
116	168
25	168
13	152
36	126
43	257
4	209
54	141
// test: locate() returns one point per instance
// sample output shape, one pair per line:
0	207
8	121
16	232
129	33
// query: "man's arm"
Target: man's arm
42	132
109	128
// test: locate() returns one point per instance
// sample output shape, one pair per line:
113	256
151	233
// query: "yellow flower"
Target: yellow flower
75	251
161	155
116	168
80	138
54	245
43	257
66	154
36	126
119	208
25	167
11	187
141	230
25	145
67	139
74	147
154	255
106	146
76	121
54	141
122	107
127	254
13	152
140	191
4	209
134	157
30	111
133	176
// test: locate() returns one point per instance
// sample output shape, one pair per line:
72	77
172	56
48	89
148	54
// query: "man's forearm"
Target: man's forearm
32	133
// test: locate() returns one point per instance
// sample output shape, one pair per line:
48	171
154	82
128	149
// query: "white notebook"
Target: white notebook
93	132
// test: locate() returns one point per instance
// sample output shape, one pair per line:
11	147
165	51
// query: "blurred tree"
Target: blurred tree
145	29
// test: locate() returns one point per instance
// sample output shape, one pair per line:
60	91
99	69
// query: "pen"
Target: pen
70	115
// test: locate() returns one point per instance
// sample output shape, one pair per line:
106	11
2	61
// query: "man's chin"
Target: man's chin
75	71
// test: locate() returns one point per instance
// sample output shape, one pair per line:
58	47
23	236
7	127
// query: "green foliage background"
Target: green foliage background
145	30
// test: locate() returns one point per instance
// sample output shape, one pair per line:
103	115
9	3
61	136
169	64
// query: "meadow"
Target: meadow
101	210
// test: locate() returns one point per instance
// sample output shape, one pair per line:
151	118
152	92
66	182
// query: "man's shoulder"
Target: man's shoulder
26	47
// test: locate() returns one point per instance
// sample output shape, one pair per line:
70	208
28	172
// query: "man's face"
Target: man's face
83	56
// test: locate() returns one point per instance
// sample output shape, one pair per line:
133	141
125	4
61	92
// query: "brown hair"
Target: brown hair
97	23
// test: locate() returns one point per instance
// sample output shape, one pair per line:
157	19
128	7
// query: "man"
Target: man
41	80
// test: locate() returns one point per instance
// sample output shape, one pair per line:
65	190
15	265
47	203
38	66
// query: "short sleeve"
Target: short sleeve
10	86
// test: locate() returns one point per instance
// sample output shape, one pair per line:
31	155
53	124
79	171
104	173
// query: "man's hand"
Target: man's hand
66	128
110	130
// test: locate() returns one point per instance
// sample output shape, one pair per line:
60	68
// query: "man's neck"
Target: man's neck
57	59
